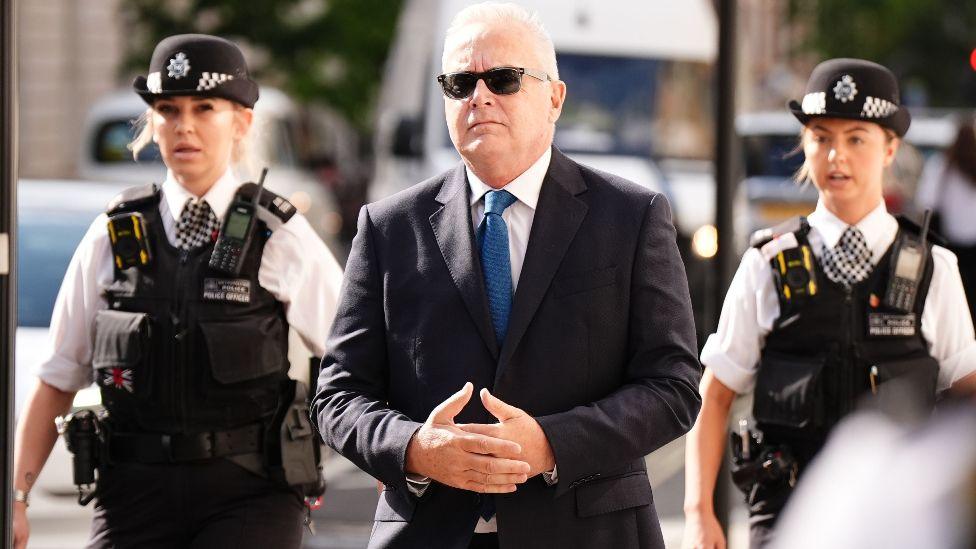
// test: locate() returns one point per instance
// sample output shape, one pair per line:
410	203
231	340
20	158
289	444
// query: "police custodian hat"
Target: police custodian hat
197	64
854	89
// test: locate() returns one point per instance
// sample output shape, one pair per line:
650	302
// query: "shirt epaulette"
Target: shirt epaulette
763	236
134	198
273	203
913	227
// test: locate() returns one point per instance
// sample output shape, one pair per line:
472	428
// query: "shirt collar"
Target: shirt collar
525	188
877	226
218	197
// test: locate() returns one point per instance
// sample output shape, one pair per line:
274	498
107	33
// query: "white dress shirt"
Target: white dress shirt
751	305
518	218
296	268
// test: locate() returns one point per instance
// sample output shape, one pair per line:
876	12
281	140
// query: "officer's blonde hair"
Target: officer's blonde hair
242	155
508	14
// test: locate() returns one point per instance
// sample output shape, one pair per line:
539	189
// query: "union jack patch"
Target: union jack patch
120	378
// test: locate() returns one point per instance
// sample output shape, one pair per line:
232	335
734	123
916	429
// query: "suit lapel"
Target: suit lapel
558	216
455	237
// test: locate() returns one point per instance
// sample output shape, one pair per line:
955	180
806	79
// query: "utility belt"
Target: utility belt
163	448
288	445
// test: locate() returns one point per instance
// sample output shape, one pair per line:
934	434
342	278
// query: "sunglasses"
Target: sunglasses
500	80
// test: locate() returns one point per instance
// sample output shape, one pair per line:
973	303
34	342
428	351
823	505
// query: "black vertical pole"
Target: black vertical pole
725	182
8	287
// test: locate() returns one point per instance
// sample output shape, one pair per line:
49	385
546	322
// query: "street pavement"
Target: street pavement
346	517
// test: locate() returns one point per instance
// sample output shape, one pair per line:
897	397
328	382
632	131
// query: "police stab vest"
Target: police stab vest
836	347
183	348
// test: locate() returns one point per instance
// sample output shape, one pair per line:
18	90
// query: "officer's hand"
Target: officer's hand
516	425
21	526
443	452
702	531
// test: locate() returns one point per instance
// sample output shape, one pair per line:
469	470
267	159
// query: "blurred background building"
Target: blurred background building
70	52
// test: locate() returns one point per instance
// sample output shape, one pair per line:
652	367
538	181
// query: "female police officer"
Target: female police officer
188	345
824	310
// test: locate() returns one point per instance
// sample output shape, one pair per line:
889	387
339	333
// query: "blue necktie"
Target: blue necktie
495	262
497	268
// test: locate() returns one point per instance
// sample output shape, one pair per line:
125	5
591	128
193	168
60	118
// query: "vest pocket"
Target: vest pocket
905	386
246	349
789	391
120	353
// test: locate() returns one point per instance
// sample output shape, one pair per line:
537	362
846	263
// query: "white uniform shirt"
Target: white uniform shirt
296	268
751	305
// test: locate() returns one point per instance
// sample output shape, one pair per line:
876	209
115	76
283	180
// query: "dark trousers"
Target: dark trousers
202	505
484	541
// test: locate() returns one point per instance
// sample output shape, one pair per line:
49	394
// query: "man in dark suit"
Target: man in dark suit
555	289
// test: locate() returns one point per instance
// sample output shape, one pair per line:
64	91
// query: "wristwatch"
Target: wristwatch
23	497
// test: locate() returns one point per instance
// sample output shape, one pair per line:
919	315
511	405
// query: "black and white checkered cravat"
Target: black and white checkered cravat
849	262
196	225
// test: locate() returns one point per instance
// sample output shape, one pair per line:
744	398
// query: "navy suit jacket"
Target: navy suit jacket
600	349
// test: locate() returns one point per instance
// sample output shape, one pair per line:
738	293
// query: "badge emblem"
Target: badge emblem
845	89
178	66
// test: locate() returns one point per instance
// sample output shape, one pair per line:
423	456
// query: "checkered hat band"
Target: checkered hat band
877	108
814	103
849	262
211	80
196	226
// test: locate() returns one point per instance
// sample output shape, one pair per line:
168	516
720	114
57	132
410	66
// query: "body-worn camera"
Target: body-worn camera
82	432
129	239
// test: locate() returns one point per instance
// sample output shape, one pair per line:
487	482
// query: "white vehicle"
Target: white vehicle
278	138
638	101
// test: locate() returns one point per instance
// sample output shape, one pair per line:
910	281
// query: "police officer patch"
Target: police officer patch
891	325
236	290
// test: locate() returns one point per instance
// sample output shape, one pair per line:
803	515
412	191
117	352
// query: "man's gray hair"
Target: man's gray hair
497	12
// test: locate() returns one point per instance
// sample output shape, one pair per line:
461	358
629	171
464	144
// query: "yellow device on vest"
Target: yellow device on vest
130	243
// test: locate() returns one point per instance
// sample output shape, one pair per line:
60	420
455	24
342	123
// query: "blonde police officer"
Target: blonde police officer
823	310
190	355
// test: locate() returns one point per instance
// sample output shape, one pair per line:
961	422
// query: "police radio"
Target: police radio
236	232
908	262
130	243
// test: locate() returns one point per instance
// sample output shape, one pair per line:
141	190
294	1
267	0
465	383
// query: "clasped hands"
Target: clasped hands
485	458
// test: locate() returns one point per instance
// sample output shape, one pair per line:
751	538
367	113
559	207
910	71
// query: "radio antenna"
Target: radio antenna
926	220
257	195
